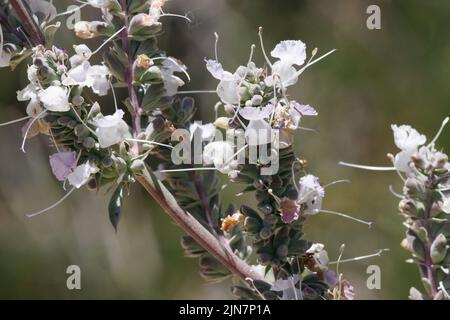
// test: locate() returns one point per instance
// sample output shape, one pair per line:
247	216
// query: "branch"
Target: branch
189	224
28	22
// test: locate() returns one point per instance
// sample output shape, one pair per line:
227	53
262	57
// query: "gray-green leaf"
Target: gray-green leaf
115	206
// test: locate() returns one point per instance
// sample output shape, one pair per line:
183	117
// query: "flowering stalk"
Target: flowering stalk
425	205
97	150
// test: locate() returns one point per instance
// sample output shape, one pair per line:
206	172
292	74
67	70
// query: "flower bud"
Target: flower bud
90	29
252	225
438	249
143	26
222	123
257	100
265	233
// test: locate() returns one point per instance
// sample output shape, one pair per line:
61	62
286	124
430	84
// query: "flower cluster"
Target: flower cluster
425	172
96	147
260	115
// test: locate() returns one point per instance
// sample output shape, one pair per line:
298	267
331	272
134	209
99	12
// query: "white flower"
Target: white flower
407	138
228	91
311	193
81	174
283	72
111	129
290	52
215	68
208	130
55	98
228	88
320	255
172	82
32	74
258	131
85	75
219	154
83	53
402	160
98	79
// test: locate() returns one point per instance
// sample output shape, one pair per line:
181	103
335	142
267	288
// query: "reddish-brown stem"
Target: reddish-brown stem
28	22
203	237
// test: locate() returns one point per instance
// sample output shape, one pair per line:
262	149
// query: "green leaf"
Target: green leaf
115	206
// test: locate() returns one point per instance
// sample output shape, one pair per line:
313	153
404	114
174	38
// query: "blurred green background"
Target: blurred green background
398	74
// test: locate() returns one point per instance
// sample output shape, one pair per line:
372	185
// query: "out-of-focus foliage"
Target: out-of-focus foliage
399	74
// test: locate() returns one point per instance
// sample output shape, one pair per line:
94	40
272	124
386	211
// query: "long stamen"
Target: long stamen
14	121
262	47
54	140
26	37
177	16
150	142
293	175
340	214
216	109
196	91
398	195
444	123
216	45
72	11
1	41
81	120
376	254
250	280
108	40
336	182
235	155
29	128
57	203
177	63
114	95
308	129
277	199
299	72
188	169
372	168
341	253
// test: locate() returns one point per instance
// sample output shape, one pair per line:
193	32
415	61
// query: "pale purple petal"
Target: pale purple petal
252	113
62	164
305	110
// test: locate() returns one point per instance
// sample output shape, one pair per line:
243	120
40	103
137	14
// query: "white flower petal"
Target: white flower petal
290	52
111	129
55	99
406	137
286	73
228	92
81	174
